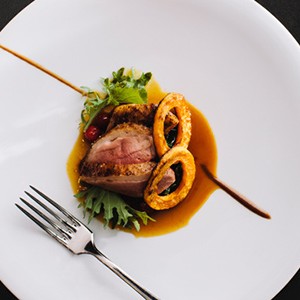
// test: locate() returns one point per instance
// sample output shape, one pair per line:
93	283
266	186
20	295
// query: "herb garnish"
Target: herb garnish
115	210
120	88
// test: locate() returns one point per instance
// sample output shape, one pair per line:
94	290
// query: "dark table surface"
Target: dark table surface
286	11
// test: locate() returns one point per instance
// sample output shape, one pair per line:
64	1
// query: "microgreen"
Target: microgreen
121	88
114	209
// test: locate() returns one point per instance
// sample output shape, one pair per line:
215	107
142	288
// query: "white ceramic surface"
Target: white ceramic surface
230	58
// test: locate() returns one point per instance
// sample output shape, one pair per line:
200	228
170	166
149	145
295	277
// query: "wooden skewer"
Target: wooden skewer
43	69
236	195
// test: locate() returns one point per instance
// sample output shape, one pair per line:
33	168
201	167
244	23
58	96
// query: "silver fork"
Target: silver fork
75	236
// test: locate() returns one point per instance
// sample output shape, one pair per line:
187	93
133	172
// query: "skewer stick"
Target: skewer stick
236	195
43	69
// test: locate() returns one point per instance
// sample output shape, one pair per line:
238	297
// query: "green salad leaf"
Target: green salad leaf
115	210
92	106
121	88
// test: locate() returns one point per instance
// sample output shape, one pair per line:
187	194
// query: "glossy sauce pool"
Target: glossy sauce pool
203	148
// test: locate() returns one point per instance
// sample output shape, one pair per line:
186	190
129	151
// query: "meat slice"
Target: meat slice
133	113
139	114
125	144
129	180
122	161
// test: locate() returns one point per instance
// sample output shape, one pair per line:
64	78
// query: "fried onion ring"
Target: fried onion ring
178	154
177	102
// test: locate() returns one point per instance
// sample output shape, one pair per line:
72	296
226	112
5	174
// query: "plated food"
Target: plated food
234	93
133	162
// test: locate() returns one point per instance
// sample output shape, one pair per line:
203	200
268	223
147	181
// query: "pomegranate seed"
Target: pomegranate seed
92	133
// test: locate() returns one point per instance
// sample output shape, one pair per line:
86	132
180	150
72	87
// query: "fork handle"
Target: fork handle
91	249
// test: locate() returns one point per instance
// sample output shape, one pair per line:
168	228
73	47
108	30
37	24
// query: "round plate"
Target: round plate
237	64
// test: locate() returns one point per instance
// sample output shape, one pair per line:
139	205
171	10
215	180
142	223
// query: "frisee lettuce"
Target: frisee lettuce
115	210
120	88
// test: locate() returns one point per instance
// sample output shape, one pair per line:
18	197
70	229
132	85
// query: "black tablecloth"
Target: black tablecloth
286	11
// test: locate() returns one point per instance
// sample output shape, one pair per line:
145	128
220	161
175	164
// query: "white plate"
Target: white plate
230	58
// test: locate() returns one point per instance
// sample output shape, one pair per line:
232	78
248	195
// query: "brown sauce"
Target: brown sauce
203	148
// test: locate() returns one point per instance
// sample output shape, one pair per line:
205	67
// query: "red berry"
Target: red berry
92	133
102	120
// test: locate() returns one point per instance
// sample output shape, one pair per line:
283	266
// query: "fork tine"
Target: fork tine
43	226
60	208
49	210
53	224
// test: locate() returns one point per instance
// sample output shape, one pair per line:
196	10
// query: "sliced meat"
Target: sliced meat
133	113
122	161
126	143
139	114
129	180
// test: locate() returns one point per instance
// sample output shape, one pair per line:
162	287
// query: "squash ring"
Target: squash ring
178	154
176	101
